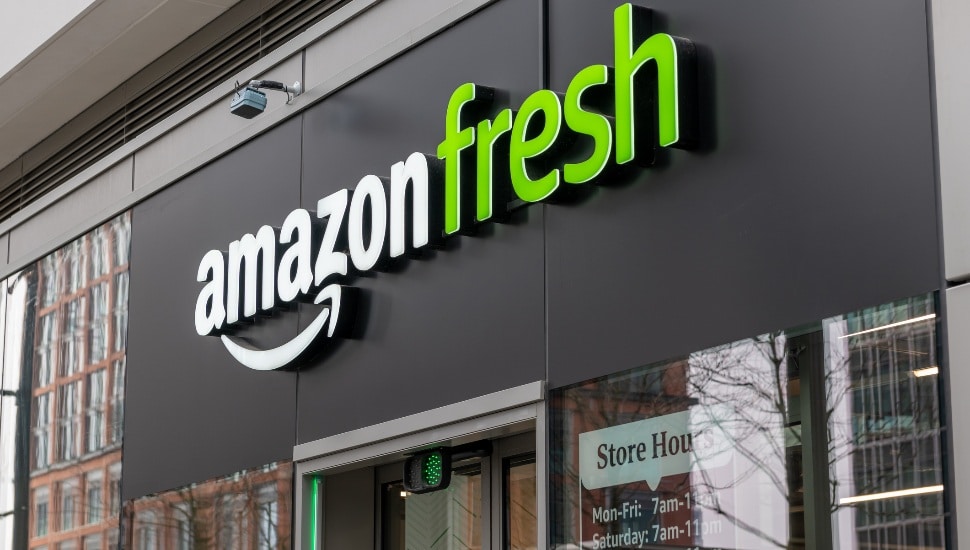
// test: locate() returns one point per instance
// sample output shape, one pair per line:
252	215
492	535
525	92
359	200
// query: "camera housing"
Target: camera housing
248	103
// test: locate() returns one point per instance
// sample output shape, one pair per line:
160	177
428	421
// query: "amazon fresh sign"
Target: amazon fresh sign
481	162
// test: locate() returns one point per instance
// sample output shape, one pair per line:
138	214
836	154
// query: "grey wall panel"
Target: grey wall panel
957	373
71	215
192	412
462	322
349	509
950	44
813	194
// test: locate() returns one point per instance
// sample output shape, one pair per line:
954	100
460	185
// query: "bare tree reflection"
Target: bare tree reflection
249	509
874	420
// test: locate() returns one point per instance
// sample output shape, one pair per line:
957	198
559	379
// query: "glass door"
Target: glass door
491	502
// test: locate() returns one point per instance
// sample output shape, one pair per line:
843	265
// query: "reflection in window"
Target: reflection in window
78	387
45	350
232	521
98	254
121	227
41	511
94	408
117	399
267	514
121	311
68	421
521	506
74	258
426	520
94	496
43	407
184	529
49	280
114	490
713	444
98	320
146	535
68	498
886	442
72	337
246	510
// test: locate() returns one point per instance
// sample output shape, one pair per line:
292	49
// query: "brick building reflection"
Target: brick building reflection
248	510
79	318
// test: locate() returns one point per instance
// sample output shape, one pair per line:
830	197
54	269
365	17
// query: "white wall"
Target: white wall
27	25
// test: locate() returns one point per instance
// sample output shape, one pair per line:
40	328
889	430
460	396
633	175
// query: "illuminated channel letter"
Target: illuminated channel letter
522	148
674	59
389	218
329	261
489	132
457	139
588	123
295	280
414	171
257	285
369	191
210	311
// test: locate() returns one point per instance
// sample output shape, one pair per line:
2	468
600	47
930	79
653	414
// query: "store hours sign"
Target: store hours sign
468	182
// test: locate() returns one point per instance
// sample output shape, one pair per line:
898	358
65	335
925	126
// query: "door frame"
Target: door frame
503	413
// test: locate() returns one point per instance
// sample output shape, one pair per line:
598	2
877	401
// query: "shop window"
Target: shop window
246	510
59	313
825	435
92	542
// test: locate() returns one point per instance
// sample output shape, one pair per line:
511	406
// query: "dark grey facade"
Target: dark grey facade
812	192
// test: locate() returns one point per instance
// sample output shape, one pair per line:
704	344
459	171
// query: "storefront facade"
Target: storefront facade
662	274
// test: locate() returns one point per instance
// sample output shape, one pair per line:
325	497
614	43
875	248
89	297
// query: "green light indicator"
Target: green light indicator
431	472
314	511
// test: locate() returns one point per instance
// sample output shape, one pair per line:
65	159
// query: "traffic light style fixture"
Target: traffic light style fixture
430	471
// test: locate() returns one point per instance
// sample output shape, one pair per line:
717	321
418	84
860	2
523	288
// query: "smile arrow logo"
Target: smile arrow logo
278	357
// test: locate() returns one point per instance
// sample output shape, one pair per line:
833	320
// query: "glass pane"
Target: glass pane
246	510
520	504
699	451
60	317
710	449
885	447
442	520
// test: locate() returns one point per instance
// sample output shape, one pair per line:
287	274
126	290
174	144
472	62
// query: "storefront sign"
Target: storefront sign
469	182
668	448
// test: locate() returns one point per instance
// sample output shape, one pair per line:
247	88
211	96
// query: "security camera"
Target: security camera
248	101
